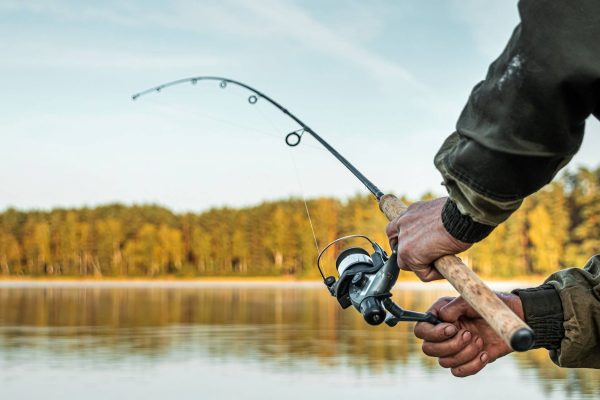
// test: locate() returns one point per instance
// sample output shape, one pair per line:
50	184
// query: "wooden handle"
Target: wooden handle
503	321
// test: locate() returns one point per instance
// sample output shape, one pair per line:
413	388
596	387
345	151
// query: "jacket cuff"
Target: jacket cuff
544	314
463	227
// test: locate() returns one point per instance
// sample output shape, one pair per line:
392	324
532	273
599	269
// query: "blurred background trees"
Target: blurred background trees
558	227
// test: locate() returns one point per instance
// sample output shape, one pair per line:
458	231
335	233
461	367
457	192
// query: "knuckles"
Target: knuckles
404	252
427	349
418	330
446	362
461	372
391	230
426	276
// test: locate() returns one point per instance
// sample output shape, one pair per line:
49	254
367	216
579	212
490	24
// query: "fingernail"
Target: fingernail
466	336
450	330
484	358
479	342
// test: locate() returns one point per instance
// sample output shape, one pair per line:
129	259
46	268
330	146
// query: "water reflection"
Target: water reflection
287	329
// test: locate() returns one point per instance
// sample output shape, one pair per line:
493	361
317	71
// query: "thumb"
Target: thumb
457	308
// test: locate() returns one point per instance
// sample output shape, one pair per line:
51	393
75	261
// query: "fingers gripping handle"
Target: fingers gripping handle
501	318
503	321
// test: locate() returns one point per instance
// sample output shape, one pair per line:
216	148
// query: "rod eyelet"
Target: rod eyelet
293	139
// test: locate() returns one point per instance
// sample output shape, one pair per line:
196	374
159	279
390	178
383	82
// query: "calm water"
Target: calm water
282	341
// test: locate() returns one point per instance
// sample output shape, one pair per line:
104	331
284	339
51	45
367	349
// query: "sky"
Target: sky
382	81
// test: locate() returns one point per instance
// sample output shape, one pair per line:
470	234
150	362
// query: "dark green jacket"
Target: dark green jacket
520	126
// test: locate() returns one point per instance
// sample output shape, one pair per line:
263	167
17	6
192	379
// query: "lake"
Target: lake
189	340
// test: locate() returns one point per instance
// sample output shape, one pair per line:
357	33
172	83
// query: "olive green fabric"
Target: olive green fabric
479	207
579	291
526	120
520	126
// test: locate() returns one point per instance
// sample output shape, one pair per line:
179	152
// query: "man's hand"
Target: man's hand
422	238
465	342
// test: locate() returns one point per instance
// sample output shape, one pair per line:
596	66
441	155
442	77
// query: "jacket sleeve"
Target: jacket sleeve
579	291
526	120
564	313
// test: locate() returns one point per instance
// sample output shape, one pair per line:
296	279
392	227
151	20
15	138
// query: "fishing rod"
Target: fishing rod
365	279
292	139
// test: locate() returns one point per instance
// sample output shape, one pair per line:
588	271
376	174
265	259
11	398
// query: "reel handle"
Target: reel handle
516	333
372	311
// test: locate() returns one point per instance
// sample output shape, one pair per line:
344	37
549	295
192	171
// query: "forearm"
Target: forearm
526	120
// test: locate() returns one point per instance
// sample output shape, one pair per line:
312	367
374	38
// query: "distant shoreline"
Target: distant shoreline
224	282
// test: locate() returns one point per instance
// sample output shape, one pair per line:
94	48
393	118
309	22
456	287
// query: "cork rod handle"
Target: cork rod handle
503	321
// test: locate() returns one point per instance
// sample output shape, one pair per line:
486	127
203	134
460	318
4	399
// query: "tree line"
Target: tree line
556	228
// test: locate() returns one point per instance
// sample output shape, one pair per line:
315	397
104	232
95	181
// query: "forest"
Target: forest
558	227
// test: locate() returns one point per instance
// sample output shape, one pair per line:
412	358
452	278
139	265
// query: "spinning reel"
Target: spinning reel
365	282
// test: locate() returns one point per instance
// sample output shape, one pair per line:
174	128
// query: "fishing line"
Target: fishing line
312	228
271	122
365	280
292	139
199	115
272	125
203	114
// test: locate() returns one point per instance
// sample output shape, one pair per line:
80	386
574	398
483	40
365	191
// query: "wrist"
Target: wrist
463	227
513	302
542	311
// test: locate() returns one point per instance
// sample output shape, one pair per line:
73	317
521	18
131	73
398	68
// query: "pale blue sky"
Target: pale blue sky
383	81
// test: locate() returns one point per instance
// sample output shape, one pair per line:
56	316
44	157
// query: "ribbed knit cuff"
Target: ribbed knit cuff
463	227
544	314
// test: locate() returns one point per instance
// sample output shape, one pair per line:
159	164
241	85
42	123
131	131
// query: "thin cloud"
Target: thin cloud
118	13
490	22
291	21
244	18
60	56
